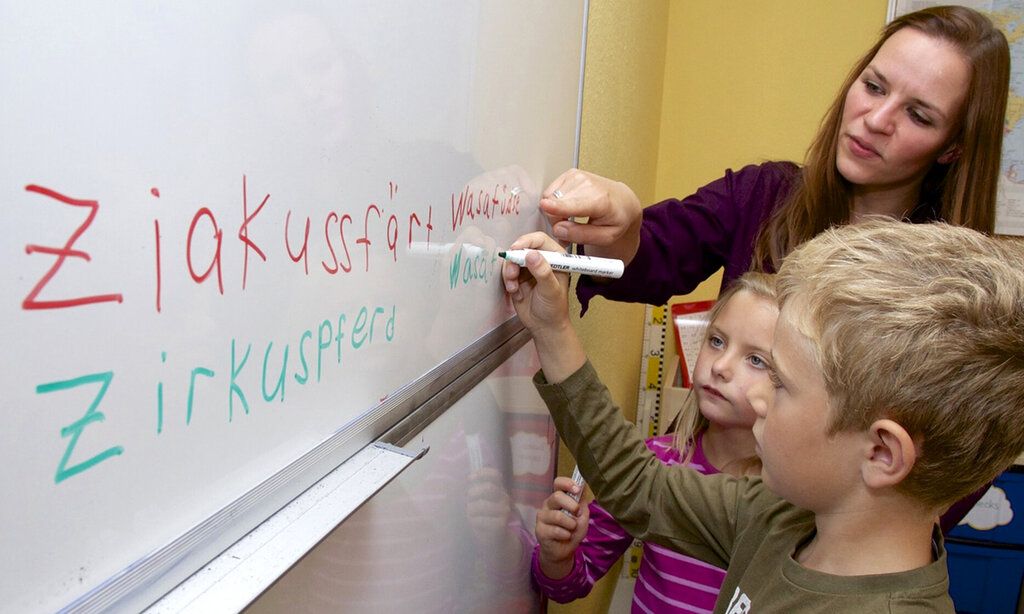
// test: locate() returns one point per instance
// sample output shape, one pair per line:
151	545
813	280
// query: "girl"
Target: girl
713	436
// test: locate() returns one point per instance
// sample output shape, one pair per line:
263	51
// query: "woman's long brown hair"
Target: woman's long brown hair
963	192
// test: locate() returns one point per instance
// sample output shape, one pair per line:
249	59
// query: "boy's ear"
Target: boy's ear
892	455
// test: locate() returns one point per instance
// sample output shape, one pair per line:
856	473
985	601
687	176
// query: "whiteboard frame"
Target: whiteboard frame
579	98
246	569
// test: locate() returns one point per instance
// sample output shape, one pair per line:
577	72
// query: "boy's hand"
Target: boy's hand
540	295
541	299
559	533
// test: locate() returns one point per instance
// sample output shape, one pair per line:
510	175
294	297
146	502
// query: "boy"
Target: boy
897	388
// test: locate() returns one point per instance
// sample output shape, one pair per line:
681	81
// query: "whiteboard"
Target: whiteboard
450	545
174	336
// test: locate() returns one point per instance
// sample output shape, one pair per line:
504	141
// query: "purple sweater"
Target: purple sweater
667	581
682	242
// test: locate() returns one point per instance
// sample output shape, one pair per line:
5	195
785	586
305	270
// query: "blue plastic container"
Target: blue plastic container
1012	484
986	561
985	580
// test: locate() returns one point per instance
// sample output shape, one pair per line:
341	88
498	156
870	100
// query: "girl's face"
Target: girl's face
734	358
800	460
902	112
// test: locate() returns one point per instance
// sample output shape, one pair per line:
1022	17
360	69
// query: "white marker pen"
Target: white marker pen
577	479
570	263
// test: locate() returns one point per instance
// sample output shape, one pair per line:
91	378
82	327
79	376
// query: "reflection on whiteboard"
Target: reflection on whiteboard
452	533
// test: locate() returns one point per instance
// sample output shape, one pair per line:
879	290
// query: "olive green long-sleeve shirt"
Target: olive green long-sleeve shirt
736	523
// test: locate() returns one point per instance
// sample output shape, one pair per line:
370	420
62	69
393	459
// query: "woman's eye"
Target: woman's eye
873	87
773	377
917	118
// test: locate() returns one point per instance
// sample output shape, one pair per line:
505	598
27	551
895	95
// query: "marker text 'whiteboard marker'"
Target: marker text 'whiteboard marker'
570	263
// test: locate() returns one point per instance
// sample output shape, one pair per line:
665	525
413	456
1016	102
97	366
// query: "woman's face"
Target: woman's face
902	112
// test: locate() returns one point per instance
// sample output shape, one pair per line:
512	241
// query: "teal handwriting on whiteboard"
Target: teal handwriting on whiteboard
74	430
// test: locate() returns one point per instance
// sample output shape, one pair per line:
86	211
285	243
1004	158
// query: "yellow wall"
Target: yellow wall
675	92
621	121
748	81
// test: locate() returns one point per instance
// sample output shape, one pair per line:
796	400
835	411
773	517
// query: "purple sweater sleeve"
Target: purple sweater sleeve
682	242
602	546
604	543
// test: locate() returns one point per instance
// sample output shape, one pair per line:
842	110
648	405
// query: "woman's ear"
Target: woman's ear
951	155
892	456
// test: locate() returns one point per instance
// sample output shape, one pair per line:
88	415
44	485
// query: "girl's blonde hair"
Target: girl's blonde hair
962	192
690	423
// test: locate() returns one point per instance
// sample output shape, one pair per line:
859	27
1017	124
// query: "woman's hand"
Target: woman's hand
613	230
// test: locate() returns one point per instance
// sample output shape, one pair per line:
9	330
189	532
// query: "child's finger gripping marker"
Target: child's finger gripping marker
577	479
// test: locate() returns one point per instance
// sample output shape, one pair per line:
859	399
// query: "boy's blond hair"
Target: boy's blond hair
691	423
922	324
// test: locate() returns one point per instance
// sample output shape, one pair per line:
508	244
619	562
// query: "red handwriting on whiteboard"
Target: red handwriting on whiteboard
375	228
375	222
62	254
215	262
346	266
500	201
243	231
303	254
156	243
365	239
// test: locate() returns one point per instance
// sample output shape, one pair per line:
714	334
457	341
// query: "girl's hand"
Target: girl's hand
613	230
559	533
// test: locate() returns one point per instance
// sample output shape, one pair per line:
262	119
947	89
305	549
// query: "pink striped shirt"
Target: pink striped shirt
667	581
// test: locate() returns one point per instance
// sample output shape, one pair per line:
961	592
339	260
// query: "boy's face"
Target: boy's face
801	462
